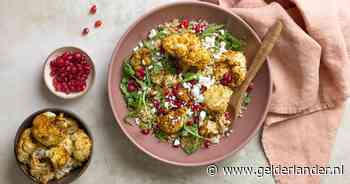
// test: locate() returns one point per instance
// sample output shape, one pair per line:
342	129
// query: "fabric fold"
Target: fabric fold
310	71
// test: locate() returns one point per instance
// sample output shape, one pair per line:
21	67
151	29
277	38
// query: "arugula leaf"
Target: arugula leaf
190	144
190	76
162	136
128	70
193	130
160	34
133	99
211	29
247	99
148	44
168	65
232	43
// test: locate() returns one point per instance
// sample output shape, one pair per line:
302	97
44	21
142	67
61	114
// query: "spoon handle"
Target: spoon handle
267	44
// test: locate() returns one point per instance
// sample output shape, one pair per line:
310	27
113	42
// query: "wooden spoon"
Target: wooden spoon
266	46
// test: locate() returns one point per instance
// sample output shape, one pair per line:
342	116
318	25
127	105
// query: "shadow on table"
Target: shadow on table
14	174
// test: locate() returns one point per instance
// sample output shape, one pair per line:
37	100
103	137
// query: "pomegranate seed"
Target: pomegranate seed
132	86
93	9
250	87
145	131
161	111
190	123
98	23
193	82
185	23
77	56
196	119
156	104
207	143
196	107
203	89
85	31
156	127
227	115
178	103
66	71
166	91
140	73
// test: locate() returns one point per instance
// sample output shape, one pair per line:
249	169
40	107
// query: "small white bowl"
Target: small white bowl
49	79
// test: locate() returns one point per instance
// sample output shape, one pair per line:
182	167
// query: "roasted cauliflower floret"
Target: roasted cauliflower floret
232	62
82	145
208	129
59	157
26	146
40	166
172	122
188	49
179	45
71	164
217	97
198	58
68	145
141	57
45	132
66	125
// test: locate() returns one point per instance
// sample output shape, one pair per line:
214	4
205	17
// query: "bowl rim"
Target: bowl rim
81	123
92	74
120	120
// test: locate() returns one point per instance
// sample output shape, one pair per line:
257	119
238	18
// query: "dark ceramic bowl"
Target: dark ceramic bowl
74	174
244	128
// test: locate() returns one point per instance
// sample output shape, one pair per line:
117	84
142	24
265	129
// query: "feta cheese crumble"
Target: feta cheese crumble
206	81
176	142
209	42
222	49
152	33
202	116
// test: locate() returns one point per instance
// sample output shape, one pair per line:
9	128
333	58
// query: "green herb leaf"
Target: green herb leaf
247	99
128	70
211	29
168	65
161	135
193	130
190	144
190	76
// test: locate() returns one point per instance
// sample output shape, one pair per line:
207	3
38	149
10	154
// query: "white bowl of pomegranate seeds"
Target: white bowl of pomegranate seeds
69	72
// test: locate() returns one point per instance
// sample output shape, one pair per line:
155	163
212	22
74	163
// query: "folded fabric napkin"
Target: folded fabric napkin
311	75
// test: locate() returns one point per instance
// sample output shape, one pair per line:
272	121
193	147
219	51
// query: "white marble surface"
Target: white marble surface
30	30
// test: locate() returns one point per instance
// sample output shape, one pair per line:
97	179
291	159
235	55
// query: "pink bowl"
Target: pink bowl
244	128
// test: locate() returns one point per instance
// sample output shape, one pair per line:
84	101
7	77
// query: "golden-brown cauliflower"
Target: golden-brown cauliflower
65	124
59	157
233	62
45	132
142	57
187	47
172	122
67	144
40	166
217	97
208	129
26	146
82	145
198	58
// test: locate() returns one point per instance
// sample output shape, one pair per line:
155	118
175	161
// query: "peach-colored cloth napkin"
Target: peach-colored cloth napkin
311	75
